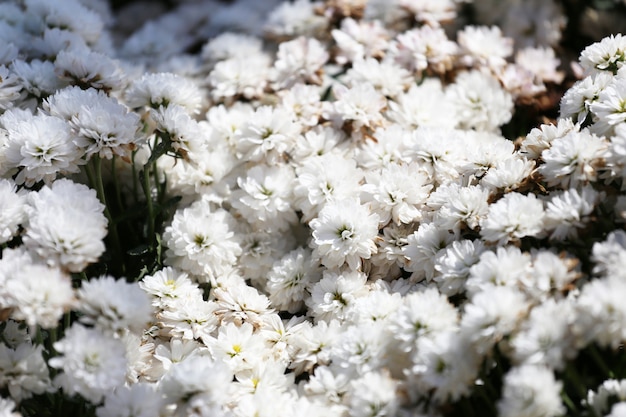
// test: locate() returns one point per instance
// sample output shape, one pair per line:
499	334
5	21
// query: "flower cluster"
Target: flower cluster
344	208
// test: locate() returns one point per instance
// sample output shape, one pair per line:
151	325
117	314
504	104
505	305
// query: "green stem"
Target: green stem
116	185
570	404
147	189
597	358
99	185
135	180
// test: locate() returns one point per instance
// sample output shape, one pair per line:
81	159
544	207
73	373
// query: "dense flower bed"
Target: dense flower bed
340	208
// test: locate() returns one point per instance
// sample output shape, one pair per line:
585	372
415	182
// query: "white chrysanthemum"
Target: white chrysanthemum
189	318
530	391
343	233
10	88
491	315
545	338
507	266
66	225
113	304
484	46
361	349
431	12
189	138
422	314
6	408
239	303
424	47
423	247
12	210
168	285
569	210
394	198
86	68
264	197
610	107
361	105
41	147
600	313
386	77
441	150
91	363
39	295
240	76
479	101
573	159
423	105
335	293
164	89
576	102
267	135
239	347
186	385
461	206
359	39
540	138
453	265
290	278
513	217
609	391
23	371
508	174
138	400
201	241
390	145
37	77
297	18
231	45
446	364
607	55
299	60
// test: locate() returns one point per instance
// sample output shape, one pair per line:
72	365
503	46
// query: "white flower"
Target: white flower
343	233
138	400
6	408
423	247
386	77
202	242
167	285
186	385
291	19
37	77
10	88
268	135
422	314
113	304
335	294
530	391
610	107
424	47
189	138
507	266
239	347
299	60
576	102
240	76
513	217
66	225
359	39
461	206
607	55
231	45
12	210
361	105
573	159
446	364
540	138
545	338
264	197
91	363
40	295
23	371
479	101
41	147
289	279
164	89
412	109
569	210
484	46
394	198
374	394
86	68
453	265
